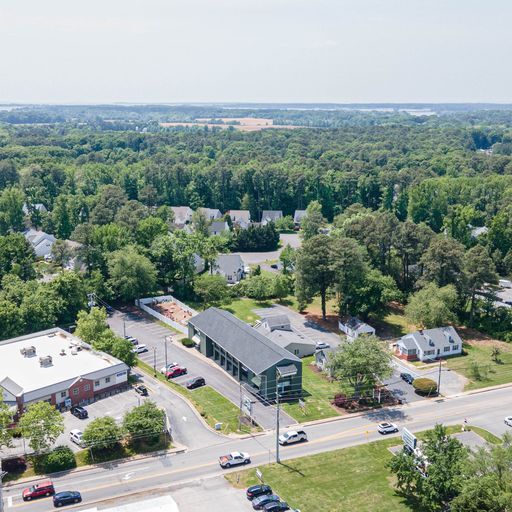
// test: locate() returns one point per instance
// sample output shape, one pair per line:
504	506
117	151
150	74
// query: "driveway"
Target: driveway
301	324
153	336
258	258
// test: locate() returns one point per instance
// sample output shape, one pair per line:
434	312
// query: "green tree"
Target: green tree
285	223
11	210
312	221
12	323
212	289
200	223
102	433
362	363
259	287
149	229
146	420
132	275
61	252
41	424
432	306
91	324
108	202
479	269
68	288
283	285
375	293
16	257
287	258
314	274
6	421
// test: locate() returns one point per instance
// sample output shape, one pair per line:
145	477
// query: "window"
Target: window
96	383
75	391
87	387
455	347
63	394
296	352
429	352
447	349
107	380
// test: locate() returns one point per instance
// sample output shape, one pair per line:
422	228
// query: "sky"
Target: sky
311	51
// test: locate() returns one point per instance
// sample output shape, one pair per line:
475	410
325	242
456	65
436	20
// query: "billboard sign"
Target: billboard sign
409	439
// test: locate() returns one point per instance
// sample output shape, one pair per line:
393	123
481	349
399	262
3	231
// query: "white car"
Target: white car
387	428
139	349
76	436
234	459
294	436
508	421
165	369
320	345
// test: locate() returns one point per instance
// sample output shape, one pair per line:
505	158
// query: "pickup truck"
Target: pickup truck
234	459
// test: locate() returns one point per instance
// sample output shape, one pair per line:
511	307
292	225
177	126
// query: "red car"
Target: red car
176	372
38	491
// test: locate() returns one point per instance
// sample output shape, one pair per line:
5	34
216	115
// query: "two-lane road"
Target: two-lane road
486	410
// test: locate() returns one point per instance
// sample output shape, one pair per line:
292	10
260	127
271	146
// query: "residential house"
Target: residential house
40	207
429	344
479	231
353	327
240	218
182	215
40	241
210	213
270	216
230	266
199	264
297	217
218	227
246	354
279	329
322	358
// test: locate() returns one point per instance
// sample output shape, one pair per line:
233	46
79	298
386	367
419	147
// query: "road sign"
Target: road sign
409	439
247	406
302	404
259	474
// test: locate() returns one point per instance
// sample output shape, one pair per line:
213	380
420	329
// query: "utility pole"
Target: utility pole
439	379
154	360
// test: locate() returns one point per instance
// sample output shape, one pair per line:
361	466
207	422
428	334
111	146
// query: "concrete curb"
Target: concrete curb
160	453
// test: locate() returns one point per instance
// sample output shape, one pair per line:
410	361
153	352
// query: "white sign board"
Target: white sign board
409	439
247	406
259	474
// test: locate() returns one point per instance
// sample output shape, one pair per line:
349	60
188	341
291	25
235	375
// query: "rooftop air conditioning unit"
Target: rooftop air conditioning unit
28	351
74	351
45	361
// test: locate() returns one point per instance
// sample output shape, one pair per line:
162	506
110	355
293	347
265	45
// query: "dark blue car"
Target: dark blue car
66	498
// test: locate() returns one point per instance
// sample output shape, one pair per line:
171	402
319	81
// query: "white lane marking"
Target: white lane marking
184	418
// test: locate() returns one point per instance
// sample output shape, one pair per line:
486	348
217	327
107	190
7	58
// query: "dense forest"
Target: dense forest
106	177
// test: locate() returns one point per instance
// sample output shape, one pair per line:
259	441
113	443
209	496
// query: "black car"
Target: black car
196	382
407	377
141	390
260	502
66	498
258	490
276	506
79	412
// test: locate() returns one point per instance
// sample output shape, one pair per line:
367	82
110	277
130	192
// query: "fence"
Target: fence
144	305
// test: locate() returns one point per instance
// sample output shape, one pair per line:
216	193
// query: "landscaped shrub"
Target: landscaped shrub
61	458
340	400
425	386
187	342
14	465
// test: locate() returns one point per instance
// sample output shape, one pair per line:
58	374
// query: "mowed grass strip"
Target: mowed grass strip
243	309
318	393
211	405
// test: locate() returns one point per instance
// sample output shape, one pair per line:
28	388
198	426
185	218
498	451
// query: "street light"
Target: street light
281	372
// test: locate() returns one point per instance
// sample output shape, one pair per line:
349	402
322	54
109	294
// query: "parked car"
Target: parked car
508	421
276	506
176	372
132	340
38	490
320	345
76	436
294	436
165	369
66	498
234	459
407	377
139	349
387	428
258	490
79	412
141	390
259	502
196	382
274	266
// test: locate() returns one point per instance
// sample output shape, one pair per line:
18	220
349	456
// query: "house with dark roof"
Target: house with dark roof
246	354
353	327
270	216
229	266
429	344
279	329
298	216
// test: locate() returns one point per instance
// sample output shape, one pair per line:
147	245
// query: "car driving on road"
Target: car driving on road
508	421
407	377
387	428
294	436
141	390
234	459
259	502
66	498
38	490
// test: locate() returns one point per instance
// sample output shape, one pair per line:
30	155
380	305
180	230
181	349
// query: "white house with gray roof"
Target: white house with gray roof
298	216
182	215
229	266
40	241
353	328
210	213
246	354
429	344
240	218
270	216
218	227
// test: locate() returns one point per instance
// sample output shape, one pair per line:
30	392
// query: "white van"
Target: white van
77	437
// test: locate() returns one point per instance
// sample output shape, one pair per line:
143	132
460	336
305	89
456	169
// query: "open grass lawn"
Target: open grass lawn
211	405
491	373
244	309
349	480
318	394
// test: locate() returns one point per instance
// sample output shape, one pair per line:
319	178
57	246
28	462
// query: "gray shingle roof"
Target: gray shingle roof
276	321
431	338
271	215
299	214
242	341
229	263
